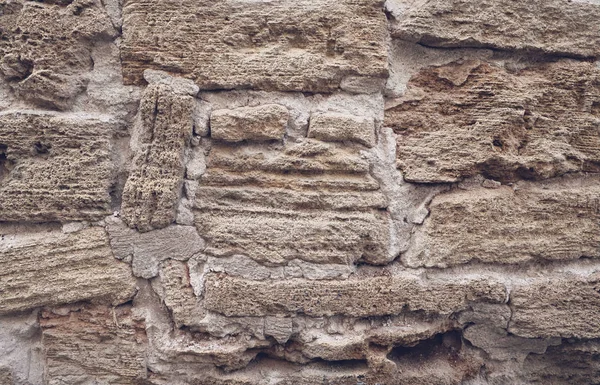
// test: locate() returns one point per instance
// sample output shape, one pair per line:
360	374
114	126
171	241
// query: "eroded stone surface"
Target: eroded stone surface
41	268
54	167
262	123
45	47
287	45
153	188
467	118
94	344
557	220
505	24
332	127
356	297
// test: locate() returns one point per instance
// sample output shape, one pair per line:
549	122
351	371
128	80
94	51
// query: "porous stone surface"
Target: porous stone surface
303	45
279	192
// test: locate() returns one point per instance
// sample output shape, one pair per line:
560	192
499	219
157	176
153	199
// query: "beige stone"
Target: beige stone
43	268
555	221
559	27
556	305
94	344
54	167
266	122
45	50
471	117
341	127
311	201
288	45
153	189
354	297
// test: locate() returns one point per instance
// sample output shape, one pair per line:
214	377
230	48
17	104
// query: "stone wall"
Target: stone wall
239	192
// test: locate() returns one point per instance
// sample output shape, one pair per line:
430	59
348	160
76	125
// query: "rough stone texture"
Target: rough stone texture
94	344
472	117
279	192
559	27
153	188
338	127
45	47
287	45
267	122
551	221
309	200
360	297
41	268
54	167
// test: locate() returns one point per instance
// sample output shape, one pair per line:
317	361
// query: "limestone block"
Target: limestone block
554	221
94	344
290	45
266	122
340	127
54	167
472	117
559	27
311	200
153	189
353	297
558	305
43	268
45	48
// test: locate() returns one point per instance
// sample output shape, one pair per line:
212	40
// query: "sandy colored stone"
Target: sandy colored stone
43	268
153	189
471	117
559	27
311	200
558	305
354	297
45	49
266	122
54	167
94	344
555	221
335	127
288	45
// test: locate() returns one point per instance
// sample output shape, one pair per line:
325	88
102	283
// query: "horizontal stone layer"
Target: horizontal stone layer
52	268
304	45
560	27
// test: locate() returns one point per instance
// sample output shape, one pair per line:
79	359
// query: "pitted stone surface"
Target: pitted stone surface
288	45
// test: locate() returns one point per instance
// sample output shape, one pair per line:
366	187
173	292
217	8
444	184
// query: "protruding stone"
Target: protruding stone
44	268
472	117
361	297
302	45
266	122
506	25
54	167
555	221
334	127
153	189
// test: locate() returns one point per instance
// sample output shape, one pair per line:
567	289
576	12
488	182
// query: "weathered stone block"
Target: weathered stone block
288	45
361	297
266	122
45	48
560	27
94	344
311	201
51	268
554	221
153	189
470	117
557	305
54	167
334	127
